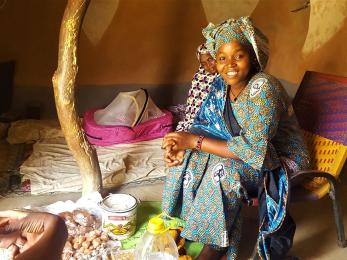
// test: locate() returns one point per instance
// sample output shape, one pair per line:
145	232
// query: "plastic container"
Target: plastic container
119	215
156	243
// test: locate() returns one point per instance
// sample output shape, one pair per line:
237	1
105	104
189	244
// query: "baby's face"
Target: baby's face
208	63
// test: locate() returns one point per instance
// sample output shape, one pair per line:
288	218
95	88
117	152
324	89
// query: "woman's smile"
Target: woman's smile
231	74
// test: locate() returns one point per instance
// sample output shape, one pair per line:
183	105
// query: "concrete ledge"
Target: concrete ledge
29	98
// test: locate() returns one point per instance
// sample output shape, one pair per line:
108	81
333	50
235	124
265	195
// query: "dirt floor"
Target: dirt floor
315	236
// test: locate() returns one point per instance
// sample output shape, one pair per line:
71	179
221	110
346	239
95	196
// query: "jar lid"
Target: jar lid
156	226
119	203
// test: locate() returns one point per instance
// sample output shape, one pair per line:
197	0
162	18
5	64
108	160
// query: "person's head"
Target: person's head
238	49
206	60
234	63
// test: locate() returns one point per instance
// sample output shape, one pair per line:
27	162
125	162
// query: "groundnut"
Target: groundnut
68	245
71	232
96	243
74	240
91	237
70	223
81	239
67	255
76	245
92	233
84	230
84	239
86	244
104	236
78	255
87	251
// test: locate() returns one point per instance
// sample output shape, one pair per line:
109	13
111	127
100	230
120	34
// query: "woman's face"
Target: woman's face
208	63
233	64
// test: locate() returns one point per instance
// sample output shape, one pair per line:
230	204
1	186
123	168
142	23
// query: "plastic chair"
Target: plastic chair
320	105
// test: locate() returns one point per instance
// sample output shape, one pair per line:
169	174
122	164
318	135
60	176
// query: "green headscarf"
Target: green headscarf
241	30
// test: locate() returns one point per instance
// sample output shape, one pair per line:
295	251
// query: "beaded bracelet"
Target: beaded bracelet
199	142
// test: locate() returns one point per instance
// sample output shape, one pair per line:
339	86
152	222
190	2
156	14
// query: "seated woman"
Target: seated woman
200	88
244	130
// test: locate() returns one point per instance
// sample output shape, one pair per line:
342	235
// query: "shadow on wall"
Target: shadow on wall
147	42
327	18
312	39
286	32
94	27
122	41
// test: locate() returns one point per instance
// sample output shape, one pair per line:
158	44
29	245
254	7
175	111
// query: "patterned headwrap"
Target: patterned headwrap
241	30
201	50
198	92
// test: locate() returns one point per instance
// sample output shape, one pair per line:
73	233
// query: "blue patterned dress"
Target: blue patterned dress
207	190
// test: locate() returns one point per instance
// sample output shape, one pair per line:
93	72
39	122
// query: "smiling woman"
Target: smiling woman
244	130
234	65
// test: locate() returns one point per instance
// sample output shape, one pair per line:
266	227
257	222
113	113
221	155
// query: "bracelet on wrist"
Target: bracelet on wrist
199	142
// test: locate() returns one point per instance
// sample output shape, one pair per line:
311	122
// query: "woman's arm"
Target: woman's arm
217	147
35	235
183	141
262	113
49	243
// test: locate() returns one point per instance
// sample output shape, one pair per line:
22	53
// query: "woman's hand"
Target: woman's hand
175	144
174	158
10	237
177	141
32	235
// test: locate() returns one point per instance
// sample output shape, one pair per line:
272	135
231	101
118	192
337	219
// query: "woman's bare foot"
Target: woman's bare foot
209	253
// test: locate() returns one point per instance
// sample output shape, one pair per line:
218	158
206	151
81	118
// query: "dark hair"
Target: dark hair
255	66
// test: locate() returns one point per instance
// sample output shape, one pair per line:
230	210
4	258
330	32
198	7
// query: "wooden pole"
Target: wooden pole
64	89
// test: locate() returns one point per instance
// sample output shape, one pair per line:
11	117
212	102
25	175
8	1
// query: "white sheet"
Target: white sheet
52	168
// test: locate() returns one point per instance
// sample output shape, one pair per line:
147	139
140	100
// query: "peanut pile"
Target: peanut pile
85	240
